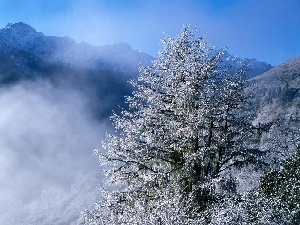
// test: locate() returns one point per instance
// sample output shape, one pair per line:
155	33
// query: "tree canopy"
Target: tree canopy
173	150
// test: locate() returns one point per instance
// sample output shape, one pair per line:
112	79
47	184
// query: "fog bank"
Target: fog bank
46	164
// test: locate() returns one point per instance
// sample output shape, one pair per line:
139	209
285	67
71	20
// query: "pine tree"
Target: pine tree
173	150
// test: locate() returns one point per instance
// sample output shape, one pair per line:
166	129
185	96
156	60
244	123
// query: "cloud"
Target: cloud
47	137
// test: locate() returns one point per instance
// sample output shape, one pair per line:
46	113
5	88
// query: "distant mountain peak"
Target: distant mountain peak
118	57
8	25
20	27
122	46
253	67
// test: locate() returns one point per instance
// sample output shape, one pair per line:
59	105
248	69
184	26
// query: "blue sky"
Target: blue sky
268	30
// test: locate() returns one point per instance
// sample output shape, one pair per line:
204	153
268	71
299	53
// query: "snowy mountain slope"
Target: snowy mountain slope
55	205
118	57
97	72
252	66
278	87
287	72
275	98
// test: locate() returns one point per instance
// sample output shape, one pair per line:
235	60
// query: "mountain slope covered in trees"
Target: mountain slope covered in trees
276	101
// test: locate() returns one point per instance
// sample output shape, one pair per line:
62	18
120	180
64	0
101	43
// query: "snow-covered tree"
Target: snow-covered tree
173	151
284	186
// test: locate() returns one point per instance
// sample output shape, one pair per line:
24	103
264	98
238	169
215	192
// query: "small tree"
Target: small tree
174	148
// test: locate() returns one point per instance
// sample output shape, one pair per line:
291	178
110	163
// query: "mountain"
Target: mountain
252	66
275	97
278	88
118	57
100	73
43	52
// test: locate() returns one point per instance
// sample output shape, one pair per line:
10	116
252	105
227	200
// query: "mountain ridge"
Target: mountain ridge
291	65
117	57
65	49
275	97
